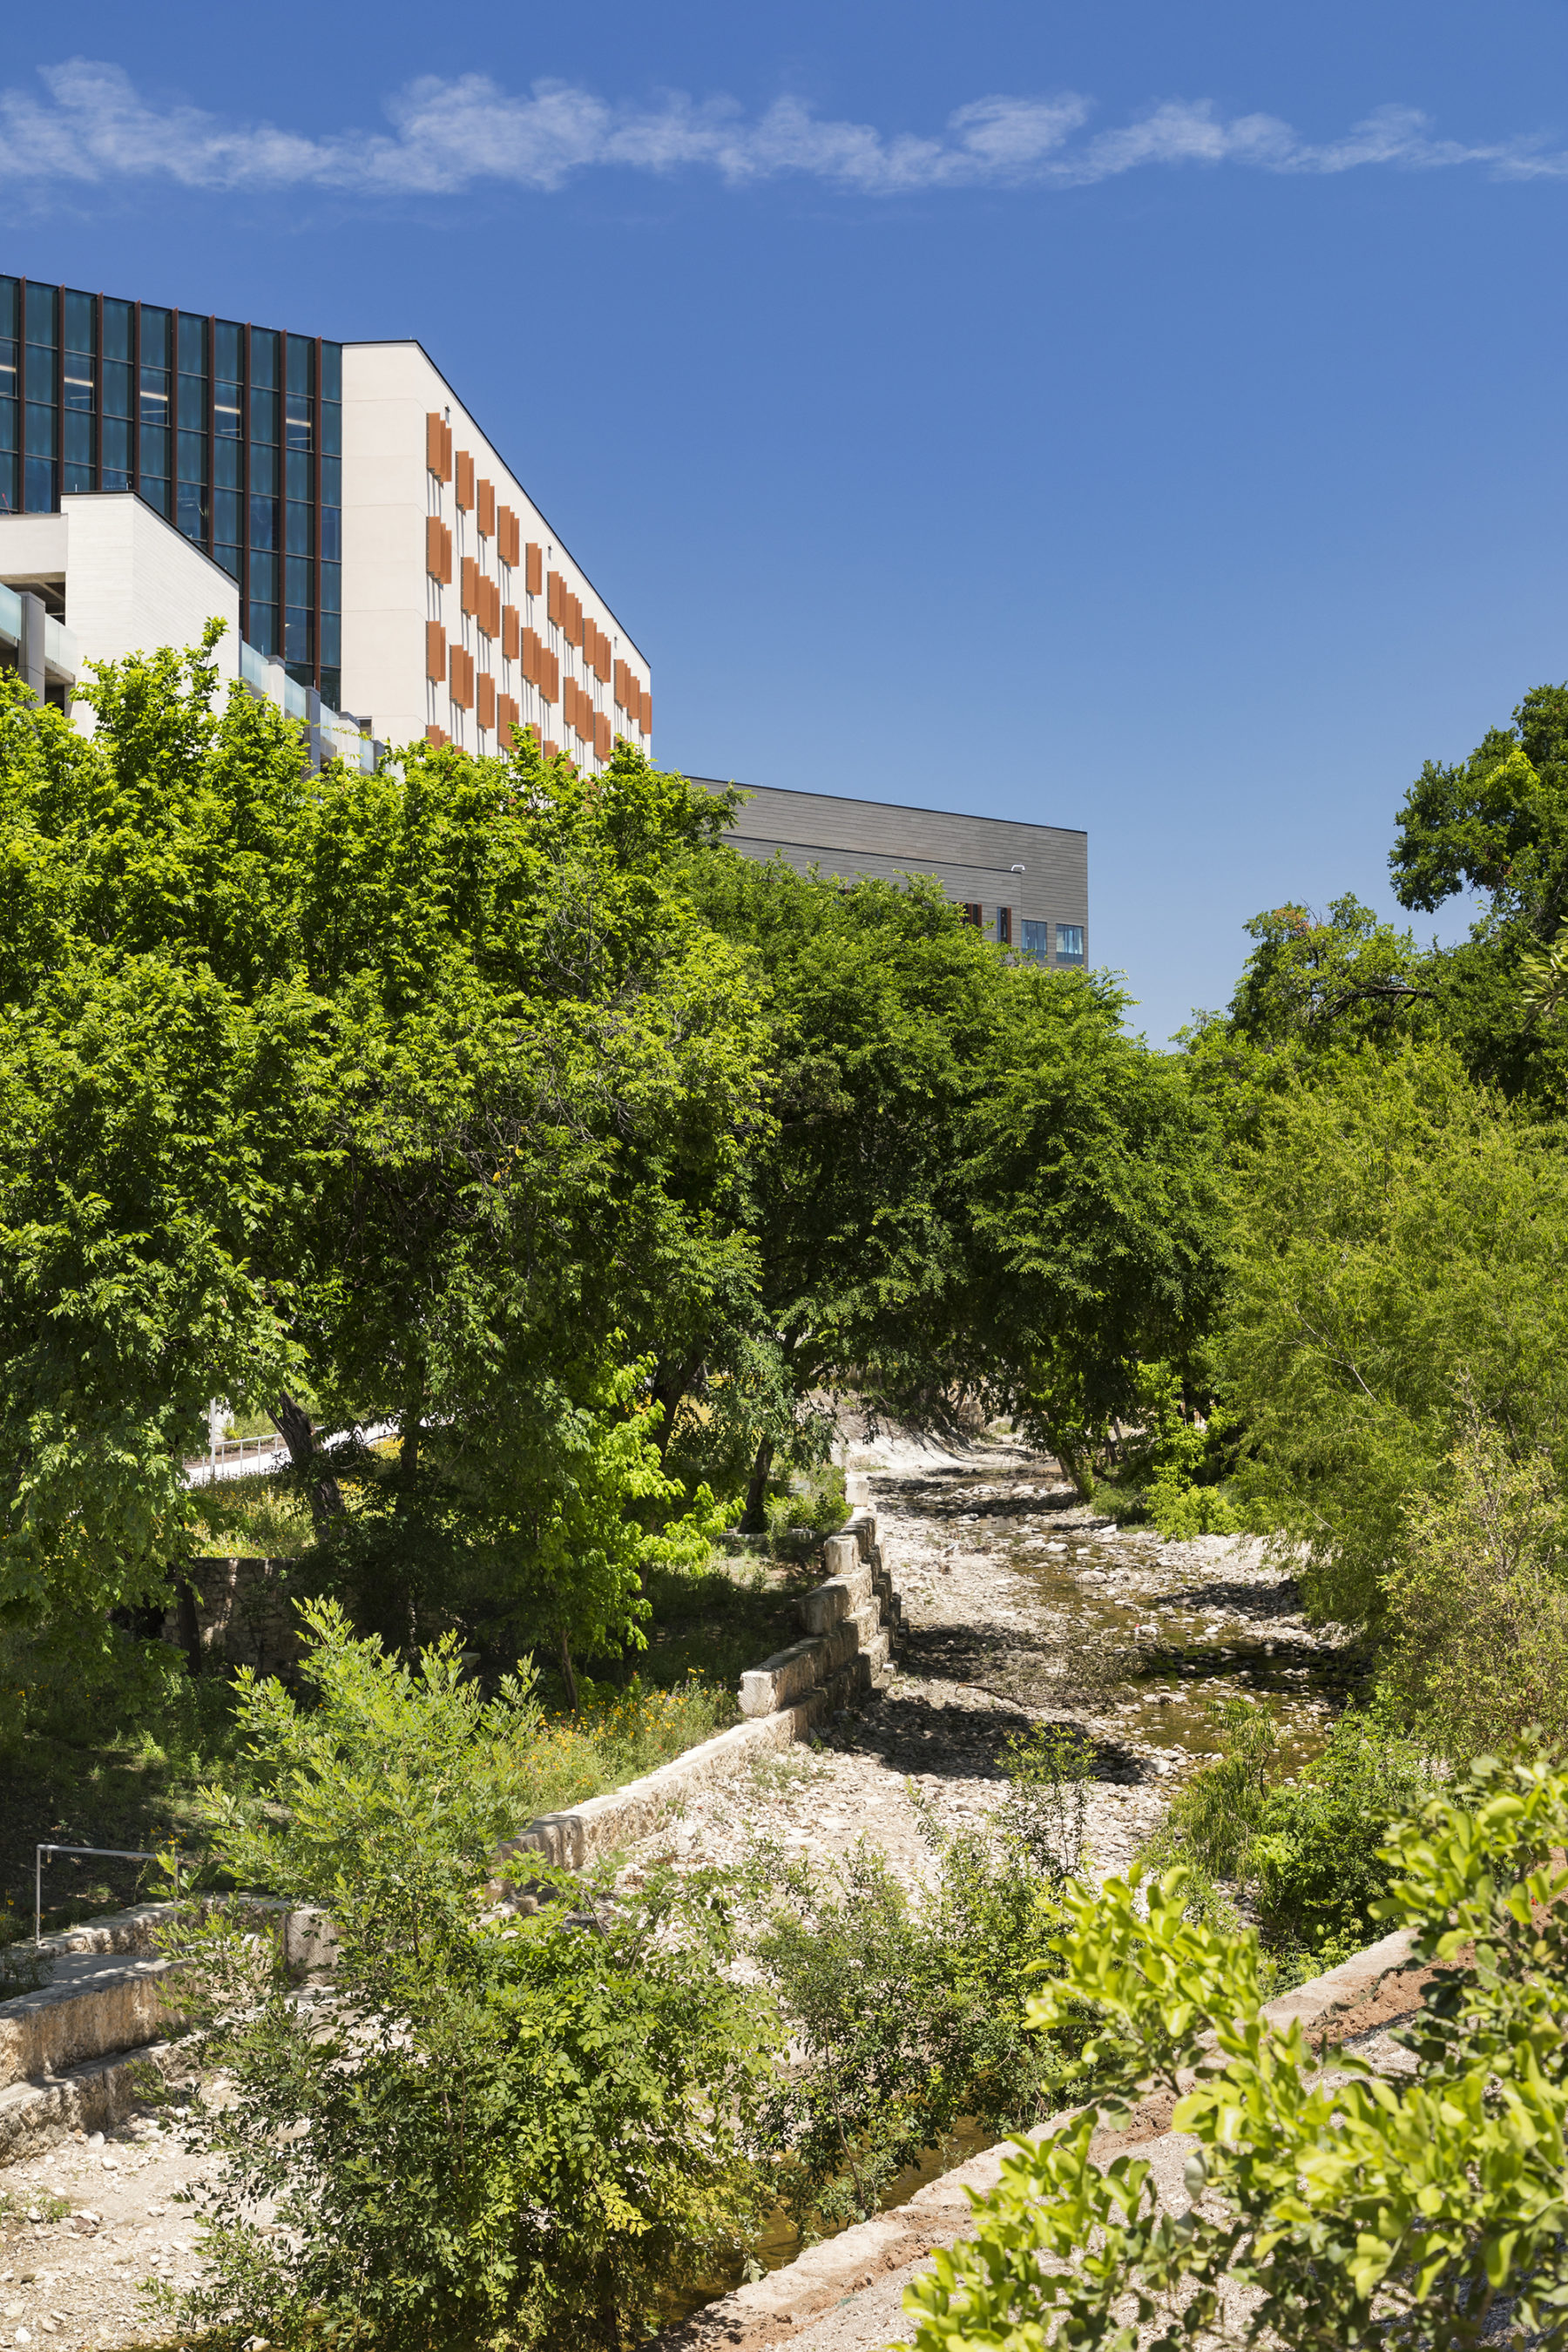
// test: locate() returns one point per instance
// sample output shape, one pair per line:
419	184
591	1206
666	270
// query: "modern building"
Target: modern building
333	503
1025	885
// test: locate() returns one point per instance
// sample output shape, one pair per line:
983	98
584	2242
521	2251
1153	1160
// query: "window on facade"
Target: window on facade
1070	942
973	913
116	388
227	521
229	465
1005	927
1035	940
229	410
76	473
298	638
297	515
116	454
156	493
191	510
263	522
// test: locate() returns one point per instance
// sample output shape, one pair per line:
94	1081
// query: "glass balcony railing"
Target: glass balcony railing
10	616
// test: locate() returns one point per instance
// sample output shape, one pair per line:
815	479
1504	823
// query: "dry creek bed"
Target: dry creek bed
1020	1604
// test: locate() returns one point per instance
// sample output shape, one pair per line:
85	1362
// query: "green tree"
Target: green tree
419	1092
1400	1243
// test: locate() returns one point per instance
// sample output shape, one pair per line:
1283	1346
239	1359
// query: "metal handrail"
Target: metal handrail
114	1852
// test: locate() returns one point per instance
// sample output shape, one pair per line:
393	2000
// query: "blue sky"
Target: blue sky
1144	417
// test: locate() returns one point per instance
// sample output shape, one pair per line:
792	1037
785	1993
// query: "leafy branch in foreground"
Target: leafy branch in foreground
1332	2207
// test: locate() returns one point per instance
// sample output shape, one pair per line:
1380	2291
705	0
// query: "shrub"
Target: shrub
1477	1610
1328	2210
907	2013
1303	1852
490	2131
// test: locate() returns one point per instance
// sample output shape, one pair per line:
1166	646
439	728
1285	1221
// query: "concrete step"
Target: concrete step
94	2003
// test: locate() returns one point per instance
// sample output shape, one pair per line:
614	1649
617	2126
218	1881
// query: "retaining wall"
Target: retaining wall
853	1620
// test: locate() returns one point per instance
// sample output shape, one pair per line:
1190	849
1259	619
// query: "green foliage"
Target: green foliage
395	1783
486	2134
1397	1236
1341	980
1303	1851
1476	1653
420	1093
1330	2211
905	2012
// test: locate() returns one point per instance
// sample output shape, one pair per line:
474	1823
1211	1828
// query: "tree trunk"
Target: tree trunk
754	1519
568	1675
408	1448
188	1624
292	1423
671	1379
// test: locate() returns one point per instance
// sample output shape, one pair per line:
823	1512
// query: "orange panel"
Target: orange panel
506	720
487	510
486	701
553	590
433	546
601	656
436	735
508	529
492	606
530	656
439	446
534	584
647	712
602	742
550	675
509	632
471	584
435	650
552	750
462	679
465	490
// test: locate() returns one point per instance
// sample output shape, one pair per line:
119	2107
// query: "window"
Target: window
155	453
1036	939
263	415
298	632
193	457
1005	927
226	518
193	403
228	411
155	493
973	913
155	395
116	388
1070	942
193	353
117	331
41	314
191	510
115	456
264	356
263	522
297	527
78	452
331	534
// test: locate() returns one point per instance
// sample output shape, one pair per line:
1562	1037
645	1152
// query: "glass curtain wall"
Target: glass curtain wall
232	433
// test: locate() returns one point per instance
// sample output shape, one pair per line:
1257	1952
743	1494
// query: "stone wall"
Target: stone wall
852	1624
237	1609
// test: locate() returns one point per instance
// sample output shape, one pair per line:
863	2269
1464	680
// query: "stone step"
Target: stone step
94	2003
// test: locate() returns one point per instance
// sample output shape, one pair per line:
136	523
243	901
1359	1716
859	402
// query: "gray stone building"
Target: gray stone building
1025	885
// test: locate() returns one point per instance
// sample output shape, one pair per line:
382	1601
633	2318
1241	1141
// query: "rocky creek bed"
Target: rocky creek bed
1020	1604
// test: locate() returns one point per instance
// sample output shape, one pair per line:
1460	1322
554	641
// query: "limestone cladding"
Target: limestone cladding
129	580
445	554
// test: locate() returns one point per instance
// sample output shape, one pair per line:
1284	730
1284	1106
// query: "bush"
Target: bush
1477	1611
492	2131
1302	1852
907	2013
1328	2210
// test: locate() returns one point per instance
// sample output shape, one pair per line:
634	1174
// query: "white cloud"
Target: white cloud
91	127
